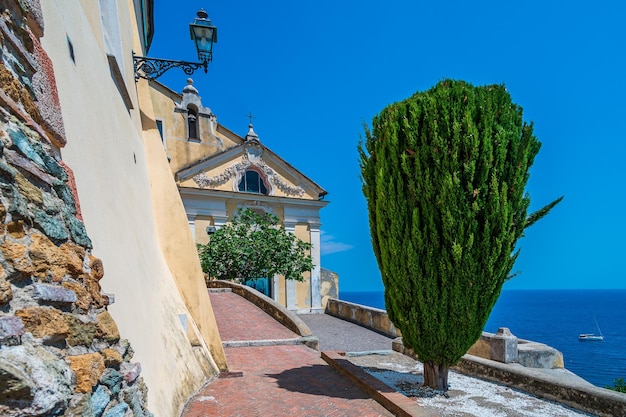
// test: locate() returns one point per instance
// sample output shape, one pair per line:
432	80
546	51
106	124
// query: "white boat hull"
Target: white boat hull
590	338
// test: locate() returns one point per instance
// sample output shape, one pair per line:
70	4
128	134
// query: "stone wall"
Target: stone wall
502	346
60	350
372	318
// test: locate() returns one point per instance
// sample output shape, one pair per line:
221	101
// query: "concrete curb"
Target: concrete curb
398	404
270	342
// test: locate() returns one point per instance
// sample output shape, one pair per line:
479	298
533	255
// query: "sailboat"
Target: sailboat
590	337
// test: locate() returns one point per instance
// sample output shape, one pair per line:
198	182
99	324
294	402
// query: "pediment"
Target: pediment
225	170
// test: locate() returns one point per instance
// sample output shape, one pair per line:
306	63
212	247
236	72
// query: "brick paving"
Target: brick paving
238	320
281	381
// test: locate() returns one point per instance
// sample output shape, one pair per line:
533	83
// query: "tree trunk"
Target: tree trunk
436	376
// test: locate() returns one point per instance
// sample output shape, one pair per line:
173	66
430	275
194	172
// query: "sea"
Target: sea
556	318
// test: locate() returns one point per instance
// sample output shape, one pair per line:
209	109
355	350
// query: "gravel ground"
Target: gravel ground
337	334
466	396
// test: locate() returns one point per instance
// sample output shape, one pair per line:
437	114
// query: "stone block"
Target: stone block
538	355
118	411
51	225
16	229
97	268
77	230
482	347
14	384
47	377
112	379
99	400
88	370
17	160
363	317
80	406
11	330
72	258
58	261
133	397
504	346
28	190
107	329
131	371
112	358
54	294
108	298
64	192
6	292
18	205
81	331
44	322
16	255
20	140
83	298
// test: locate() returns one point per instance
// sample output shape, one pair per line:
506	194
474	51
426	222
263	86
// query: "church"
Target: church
219	172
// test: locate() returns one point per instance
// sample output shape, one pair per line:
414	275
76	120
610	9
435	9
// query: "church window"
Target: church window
192	123
252	182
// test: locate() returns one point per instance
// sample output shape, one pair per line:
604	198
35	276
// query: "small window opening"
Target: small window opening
159	124
70	47
252	182
192	123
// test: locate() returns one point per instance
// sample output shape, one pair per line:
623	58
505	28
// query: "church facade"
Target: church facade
219	172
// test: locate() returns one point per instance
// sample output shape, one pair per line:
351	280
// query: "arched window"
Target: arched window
192	123
252	182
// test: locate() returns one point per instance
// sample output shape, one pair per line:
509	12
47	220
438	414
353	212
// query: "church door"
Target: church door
262	285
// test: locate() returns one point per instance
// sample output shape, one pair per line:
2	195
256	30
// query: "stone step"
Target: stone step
219	290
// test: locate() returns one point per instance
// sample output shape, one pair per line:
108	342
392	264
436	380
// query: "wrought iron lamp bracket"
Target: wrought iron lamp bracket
153	68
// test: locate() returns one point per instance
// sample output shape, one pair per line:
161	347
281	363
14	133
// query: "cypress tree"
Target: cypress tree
444	173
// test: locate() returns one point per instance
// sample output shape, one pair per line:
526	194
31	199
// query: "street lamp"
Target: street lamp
204	35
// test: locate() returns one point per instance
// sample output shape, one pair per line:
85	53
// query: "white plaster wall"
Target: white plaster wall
106	153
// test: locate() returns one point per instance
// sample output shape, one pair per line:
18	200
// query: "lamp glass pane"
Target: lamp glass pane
203	37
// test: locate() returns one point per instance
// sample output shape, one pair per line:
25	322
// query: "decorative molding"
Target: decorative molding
255	204
252	157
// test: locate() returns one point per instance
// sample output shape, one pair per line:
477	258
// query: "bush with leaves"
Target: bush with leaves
619	385
254	245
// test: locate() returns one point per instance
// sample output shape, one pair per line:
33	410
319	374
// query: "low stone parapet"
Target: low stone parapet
271	307
369	317
502	346
505	347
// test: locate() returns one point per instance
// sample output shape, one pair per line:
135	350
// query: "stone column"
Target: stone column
504	346
219	221
191	219
290	285
316	297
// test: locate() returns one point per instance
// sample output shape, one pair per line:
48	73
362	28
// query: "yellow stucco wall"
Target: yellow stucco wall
124	197
179	148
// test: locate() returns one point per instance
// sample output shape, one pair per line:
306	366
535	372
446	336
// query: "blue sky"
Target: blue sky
313	72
